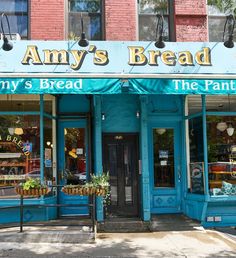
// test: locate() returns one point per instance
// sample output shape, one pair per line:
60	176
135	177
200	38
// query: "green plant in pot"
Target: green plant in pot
32	187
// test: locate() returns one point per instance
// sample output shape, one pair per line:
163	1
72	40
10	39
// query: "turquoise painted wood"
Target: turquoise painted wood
30	213
63	198
145	171
98	151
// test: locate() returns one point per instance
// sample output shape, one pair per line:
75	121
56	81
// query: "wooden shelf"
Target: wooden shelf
14	165
222	172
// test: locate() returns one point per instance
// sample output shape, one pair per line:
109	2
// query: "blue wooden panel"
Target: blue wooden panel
73	103
120	113
30	213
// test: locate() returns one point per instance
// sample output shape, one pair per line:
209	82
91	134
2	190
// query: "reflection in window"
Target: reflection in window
91	12
75	155
148	20
17	12
163	150
221	138
217	12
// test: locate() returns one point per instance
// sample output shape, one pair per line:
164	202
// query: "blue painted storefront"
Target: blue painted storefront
161	103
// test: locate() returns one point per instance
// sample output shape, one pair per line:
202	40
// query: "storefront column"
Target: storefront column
205	152
145	185
98	151
41	139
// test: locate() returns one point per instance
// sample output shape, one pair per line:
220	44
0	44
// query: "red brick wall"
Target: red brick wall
191	20
47	19
120	19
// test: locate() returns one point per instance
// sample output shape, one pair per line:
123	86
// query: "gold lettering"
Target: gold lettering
8	138
79	57
136	56
55	57
203	57
20	143
168	58
153	55
31	53
100	57
14	140
185	58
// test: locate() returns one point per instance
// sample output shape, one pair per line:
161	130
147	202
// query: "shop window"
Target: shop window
148	19
196	157
217	12
221	137
163	151
221	103
91	11
19	150
17	12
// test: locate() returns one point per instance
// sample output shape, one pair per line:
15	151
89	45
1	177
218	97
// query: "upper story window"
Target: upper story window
148	9
91	11
17	12
217	12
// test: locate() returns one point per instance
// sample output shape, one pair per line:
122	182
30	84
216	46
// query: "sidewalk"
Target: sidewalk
194	243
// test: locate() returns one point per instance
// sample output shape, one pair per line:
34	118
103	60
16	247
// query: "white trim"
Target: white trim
115	75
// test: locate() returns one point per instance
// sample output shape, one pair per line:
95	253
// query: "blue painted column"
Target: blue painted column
145	176
41	139
205	152
98	151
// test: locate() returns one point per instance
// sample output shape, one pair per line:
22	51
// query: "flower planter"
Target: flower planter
31	192
81	190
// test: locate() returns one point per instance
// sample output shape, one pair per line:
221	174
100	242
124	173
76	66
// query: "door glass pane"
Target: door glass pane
163	149
112	156
75	155
128	176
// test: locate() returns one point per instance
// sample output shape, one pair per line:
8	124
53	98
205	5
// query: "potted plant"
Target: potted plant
98	185
31	187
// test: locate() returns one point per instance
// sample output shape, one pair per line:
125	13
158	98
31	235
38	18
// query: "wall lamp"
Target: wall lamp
229	26
159	32
7	45
83	42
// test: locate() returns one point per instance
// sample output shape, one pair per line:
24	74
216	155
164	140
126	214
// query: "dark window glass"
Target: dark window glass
163	150
148	9
17	12
91	13
217	12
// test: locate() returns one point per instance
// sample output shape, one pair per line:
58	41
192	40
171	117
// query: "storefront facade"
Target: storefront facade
152	117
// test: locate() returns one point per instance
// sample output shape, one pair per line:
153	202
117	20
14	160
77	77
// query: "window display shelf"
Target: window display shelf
14	165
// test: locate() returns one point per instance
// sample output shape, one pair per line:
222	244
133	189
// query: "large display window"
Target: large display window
20	146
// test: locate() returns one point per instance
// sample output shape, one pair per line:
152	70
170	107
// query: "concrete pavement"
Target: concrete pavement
194	243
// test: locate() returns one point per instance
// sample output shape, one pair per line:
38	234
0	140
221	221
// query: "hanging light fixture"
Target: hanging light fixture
229	26
83	42
11	130
19	131
230	129
159	32
7	45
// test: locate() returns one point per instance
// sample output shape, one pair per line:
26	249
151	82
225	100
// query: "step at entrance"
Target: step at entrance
123	225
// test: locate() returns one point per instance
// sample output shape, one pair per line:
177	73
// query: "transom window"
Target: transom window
17	12
217	12
148	10
91	12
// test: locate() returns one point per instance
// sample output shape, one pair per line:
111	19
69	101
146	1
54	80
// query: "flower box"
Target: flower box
32	192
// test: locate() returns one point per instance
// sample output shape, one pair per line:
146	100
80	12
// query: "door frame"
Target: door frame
137	154
67	122
171	198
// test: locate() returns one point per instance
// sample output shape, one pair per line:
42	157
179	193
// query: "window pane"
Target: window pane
194	104
147	28
92	25
17	13
13	6
90	6
154	7
216	28
163	150
221	139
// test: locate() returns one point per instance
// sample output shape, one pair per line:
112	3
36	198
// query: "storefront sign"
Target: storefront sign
114	86
118	58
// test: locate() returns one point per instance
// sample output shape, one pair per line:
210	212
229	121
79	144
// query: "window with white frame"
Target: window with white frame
91	13
17	13
148	10
217	12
